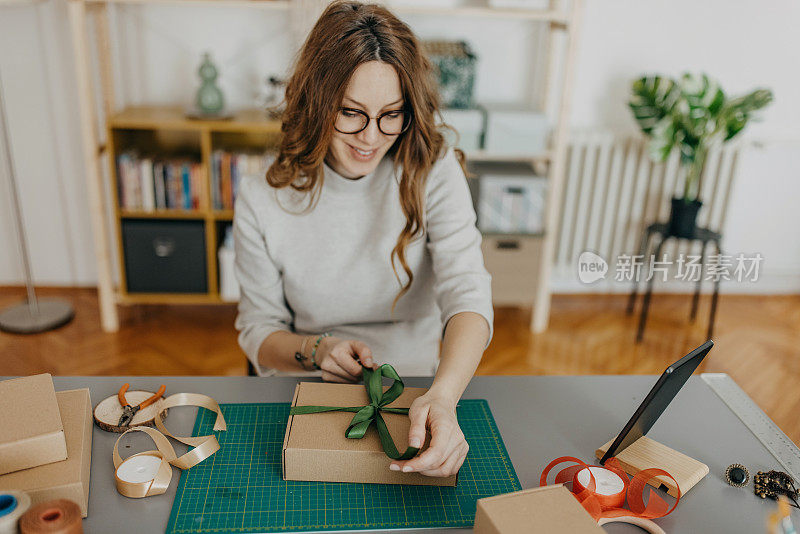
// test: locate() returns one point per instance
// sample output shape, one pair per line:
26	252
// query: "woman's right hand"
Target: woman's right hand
341	359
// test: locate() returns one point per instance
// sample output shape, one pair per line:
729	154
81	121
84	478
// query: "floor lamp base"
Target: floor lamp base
53	313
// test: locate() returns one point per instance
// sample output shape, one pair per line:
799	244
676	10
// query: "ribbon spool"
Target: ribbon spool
13	505
597	489
149	473
53	517
610	488
146	473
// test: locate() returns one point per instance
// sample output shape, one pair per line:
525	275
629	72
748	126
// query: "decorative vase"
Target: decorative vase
683	217
209	97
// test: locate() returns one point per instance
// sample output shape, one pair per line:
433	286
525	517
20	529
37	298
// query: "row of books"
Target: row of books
227	170
148	183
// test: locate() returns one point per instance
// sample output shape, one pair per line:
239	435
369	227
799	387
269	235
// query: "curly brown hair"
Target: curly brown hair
347	34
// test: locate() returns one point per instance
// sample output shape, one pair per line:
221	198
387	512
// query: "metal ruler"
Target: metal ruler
782	448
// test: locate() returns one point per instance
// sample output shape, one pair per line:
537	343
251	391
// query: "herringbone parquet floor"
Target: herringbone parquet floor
757	342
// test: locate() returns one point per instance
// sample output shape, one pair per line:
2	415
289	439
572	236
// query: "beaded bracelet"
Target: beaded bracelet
314	351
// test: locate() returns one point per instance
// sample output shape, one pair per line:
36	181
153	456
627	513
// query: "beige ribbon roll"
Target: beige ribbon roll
138	476
126	471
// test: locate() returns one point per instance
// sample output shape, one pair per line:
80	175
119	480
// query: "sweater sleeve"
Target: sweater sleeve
262	305
461	280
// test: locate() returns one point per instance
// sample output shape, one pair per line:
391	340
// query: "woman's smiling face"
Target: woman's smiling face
374	88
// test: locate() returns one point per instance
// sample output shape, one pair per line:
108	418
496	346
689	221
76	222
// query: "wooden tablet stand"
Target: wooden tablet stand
645	453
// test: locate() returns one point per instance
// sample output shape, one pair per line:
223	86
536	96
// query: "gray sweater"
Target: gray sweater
328	269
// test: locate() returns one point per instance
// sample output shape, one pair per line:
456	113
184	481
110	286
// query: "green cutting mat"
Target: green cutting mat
241	489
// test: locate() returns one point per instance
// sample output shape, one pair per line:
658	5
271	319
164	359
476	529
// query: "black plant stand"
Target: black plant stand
705	236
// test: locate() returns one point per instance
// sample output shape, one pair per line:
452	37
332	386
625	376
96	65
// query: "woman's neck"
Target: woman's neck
335	168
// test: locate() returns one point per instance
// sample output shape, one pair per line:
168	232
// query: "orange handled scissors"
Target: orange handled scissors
129	411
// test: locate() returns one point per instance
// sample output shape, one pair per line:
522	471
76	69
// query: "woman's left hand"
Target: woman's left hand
447	449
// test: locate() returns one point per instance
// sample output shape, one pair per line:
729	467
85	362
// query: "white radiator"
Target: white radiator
613	191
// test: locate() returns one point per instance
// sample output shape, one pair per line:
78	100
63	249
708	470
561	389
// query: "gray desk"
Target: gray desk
540	419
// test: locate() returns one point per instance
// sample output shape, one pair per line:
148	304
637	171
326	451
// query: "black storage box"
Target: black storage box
165	256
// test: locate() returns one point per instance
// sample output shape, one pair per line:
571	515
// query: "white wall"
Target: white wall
41	106
743	43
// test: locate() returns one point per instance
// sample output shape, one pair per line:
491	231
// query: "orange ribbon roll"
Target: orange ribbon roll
602	491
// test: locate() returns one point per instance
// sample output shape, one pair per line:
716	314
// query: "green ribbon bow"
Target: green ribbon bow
365	415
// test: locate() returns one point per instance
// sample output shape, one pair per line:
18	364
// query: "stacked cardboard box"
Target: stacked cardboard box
545	509
46	440
32	432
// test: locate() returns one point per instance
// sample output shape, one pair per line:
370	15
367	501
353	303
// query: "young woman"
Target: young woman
360	246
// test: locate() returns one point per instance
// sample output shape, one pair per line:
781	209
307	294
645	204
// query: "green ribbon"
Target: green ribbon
366	415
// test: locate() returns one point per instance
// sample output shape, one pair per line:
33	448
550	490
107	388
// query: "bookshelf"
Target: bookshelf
166	129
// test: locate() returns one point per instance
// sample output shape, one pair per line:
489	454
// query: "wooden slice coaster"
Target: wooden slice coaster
108	411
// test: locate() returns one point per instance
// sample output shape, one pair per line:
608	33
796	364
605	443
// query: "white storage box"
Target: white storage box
469	125
228	283
516	131
511	198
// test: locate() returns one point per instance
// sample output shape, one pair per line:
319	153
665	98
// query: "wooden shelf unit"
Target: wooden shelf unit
248	127
466	8
165	129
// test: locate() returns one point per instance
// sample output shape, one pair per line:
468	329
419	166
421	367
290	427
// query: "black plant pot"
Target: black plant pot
683	217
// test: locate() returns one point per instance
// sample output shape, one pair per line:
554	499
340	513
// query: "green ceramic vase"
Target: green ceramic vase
209	97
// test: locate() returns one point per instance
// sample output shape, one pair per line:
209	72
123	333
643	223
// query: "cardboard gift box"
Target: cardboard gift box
31	432
68	479
315	446
546	509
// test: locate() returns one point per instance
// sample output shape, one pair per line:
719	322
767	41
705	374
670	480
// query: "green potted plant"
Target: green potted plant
691	114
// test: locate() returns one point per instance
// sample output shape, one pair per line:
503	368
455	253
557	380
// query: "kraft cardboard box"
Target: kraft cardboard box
546	509
31	432
68	479
315	446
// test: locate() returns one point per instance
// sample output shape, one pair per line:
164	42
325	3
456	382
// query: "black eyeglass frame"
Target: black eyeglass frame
407	118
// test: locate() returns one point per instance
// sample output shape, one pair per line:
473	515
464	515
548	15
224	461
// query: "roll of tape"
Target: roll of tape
52	517
13	505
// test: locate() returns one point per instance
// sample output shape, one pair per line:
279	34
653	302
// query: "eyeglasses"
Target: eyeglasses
352	121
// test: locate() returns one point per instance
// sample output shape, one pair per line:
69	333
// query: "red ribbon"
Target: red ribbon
607	506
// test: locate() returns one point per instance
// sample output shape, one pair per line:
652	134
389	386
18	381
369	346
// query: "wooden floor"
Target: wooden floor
757	342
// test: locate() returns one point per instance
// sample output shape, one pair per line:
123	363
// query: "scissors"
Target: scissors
129	411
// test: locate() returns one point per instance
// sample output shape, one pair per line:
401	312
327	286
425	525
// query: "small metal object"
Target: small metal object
737	475
127	415
772	484
128	411
302	360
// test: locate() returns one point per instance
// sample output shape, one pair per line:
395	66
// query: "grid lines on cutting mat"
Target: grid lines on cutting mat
240	488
